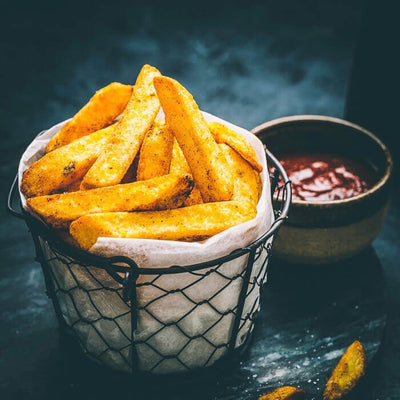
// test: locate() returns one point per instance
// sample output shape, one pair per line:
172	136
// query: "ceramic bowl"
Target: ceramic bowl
329	231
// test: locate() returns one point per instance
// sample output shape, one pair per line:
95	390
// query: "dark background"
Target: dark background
247	62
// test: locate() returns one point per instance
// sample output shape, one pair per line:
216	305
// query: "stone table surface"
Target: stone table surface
247	63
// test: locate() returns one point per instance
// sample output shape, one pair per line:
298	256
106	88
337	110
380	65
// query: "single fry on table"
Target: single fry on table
156	152
159	193
137	118
206	160
102	109
284	393
58	170
193	223
349	369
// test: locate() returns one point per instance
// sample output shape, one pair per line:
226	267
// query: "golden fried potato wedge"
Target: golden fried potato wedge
207	162
349	369
137	118
180	166
246	180
167	191
106	104
284	393
156	152
63	167
223	134
193	223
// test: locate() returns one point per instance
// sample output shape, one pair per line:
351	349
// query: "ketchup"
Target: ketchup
326	177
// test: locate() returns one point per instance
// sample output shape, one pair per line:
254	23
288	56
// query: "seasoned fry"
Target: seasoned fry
106	104
193	223
180	166
349	369
178	161
136	120
223	134
207	162
156	152
167	191
284	393
59	169
245	179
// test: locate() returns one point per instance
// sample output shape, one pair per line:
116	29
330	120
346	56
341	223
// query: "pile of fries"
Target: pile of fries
142	177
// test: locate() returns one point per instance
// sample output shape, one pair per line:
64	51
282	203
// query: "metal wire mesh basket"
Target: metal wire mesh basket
158	320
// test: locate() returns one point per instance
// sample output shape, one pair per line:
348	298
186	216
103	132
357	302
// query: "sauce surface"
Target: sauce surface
326	177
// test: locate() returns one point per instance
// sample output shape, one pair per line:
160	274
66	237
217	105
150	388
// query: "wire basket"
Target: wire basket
157	320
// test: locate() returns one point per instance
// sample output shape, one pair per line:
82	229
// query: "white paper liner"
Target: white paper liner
174	333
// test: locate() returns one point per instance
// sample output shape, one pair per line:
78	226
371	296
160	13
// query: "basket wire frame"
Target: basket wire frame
125	281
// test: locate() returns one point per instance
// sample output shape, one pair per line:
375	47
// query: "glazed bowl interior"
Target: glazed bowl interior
327	135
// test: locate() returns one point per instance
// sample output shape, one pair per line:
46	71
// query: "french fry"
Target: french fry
193	223
246	181
156	152
61	168
178	161
349	369
137	118
223	134
180	166
167	191
105	105
284	393
207	162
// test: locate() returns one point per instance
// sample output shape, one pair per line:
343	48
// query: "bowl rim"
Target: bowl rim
314	118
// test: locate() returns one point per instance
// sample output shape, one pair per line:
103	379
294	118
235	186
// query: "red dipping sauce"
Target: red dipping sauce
326	177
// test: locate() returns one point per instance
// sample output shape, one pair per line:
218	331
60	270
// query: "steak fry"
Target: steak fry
136	120
106	104
167	191
62	168
206	160
192	223
349	369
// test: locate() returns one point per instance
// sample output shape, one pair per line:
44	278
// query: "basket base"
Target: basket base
88	374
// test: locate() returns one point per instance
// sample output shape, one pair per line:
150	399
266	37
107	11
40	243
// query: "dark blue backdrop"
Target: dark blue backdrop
246	62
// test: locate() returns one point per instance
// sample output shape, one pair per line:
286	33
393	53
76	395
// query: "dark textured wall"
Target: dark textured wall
247	62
